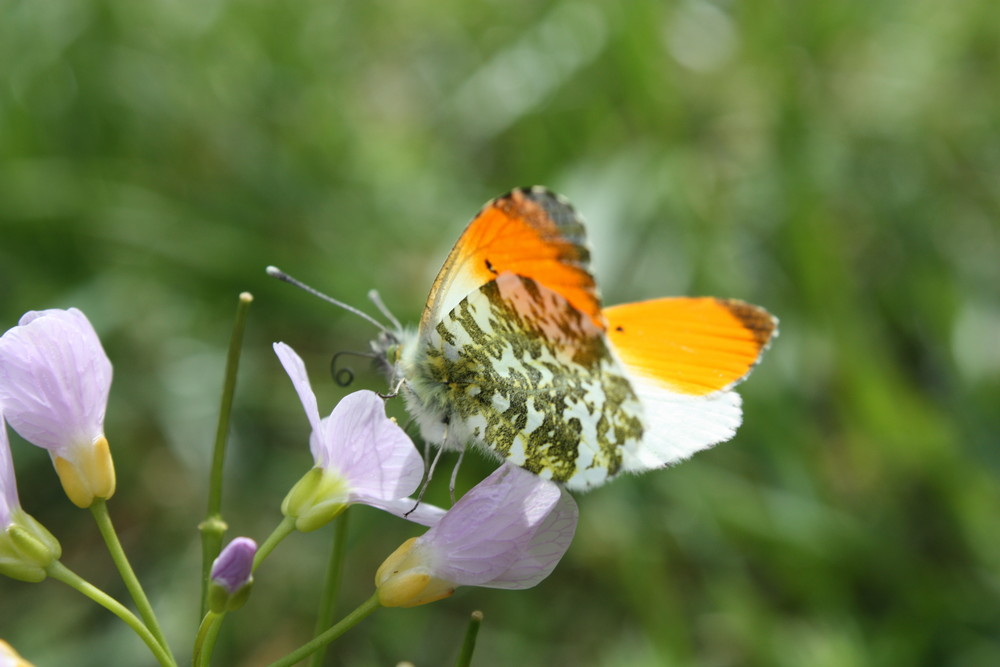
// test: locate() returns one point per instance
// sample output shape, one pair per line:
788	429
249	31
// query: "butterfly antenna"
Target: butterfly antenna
275	272
344	375
374	297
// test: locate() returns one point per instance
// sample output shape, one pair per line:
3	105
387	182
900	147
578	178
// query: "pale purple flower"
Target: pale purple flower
232	576
509	531
360	455
54	384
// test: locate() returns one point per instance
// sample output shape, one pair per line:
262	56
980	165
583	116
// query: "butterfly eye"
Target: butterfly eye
392	354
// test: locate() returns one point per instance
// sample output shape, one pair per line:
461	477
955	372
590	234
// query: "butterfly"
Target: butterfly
514	353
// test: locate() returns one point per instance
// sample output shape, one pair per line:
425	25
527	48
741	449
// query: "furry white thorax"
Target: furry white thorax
426	401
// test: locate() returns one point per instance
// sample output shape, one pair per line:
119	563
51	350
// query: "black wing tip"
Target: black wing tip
536	193
762	324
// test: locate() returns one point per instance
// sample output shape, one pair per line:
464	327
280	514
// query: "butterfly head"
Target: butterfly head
389	349
386	349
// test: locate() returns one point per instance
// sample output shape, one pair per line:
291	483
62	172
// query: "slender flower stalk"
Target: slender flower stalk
281	531
29	552
366	609
54	384
213	527
99	510
331	586
469	643
231	579
60	572
509	531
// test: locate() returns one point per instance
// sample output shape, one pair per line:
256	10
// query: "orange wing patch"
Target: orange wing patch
532	233
692	346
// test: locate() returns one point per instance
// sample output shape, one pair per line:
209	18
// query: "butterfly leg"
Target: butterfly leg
395	391
454	474
430	473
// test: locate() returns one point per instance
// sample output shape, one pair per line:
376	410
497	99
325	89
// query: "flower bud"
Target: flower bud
405	579
27	548
232	577
316	499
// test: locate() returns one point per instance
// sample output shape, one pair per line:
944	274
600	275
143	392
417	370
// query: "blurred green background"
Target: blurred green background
837	163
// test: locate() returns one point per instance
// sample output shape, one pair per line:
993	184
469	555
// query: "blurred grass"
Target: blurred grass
836	163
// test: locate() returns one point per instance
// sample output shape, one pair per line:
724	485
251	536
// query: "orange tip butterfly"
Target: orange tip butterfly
515	354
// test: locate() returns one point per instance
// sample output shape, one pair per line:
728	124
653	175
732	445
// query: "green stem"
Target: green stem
284	529
204	642
60	572
469	645
212	622
348	622
213	527
332	585
100	512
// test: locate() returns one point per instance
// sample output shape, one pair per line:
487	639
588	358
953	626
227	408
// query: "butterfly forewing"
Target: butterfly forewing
530	232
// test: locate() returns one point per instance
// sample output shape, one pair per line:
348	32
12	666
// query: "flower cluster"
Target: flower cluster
509	531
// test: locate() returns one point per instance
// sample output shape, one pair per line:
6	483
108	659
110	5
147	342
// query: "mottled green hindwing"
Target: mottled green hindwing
517	369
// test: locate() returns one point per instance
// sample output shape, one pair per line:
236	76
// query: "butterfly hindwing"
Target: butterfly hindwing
683	356
518	369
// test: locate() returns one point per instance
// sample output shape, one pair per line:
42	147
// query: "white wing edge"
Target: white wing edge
678	425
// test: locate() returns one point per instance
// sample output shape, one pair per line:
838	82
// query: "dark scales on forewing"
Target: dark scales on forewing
532	378
760	323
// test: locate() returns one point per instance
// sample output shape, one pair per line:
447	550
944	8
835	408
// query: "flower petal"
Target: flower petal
424	514
490	528
370	450
545	549
296	370
8	484
54	380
